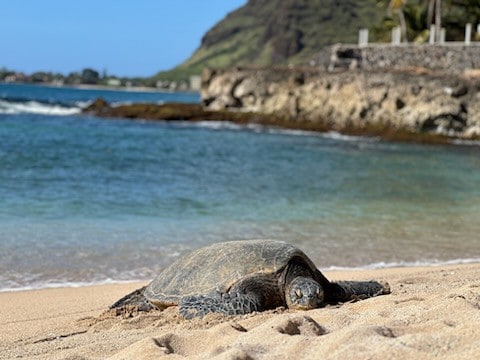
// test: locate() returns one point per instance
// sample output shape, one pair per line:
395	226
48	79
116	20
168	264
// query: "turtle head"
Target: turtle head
304	293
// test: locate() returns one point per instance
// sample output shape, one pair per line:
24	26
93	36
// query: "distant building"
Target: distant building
195	82
114	82
58	82
10	78
17	77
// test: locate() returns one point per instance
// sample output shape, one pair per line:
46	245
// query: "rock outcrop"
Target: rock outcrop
416	101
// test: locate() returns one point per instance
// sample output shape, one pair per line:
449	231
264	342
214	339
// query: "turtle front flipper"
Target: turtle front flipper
359	290
227	304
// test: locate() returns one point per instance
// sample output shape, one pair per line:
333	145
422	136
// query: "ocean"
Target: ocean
85	200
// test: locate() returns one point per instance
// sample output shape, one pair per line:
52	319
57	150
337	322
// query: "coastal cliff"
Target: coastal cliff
413	100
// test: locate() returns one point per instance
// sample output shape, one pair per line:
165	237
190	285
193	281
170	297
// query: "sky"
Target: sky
123	37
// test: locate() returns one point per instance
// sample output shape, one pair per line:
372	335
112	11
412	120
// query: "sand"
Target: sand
431	313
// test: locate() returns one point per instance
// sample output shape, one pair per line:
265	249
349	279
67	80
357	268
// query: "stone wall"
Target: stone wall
415	101
453	58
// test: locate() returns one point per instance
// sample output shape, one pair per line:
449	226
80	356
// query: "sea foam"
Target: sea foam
402	264
35	107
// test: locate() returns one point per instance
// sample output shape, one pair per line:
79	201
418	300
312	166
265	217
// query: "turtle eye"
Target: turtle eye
298	293
318	293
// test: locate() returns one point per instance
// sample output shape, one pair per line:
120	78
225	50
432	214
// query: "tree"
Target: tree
434	9
415	18
4	72
90	76
430	12
397	7
438	19
420	15
456	14
394	7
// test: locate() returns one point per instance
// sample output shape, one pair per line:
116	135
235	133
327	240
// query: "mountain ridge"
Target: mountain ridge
268	32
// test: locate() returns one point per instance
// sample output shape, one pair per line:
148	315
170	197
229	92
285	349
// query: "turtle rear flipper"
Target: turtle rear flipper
135	298
227	304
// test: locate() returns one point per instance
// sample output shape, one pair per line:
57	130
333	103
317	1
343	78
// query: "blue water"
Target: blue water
90	200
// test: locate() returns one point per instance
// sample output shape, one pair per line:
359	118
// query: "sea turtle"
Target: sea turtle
239	277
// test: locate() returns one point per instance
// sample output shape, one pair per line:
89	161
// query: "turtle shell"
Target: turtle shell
217	267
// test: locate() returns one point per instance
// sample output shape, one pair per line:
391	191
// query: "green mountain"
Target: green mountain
264	32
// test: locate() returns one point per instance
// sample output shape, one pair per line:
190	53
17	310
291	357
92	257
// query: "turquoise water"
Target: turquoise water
90	200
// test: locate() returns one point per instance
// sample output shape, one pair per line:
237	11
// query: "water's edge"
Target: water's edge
374	266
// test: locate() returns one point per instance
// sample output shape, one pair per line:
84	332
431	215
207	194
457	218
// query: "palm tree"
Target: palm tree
397	6
430	12
416	17
438	19
434	8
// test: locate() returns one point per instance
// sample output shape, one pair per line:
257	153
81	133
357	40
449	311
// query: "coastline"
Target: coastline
378	266
403	104
431	312
190	112
101	87
176	112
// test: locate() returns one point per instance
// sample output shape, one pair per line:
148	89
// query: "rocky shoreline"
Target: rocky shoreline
195	112
413	100
413	105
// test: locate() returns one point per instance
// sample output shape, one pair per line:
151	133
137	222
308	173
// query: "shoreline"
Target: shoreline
334	269
174	112
102	87
428	309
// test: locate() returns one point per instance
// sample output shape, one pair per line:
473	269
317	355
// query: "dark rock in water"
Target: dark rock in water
99	106
177	112
170	111
194	112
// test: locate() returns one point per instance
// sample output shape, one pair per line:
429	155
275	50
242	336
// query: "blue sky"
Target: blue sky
125	37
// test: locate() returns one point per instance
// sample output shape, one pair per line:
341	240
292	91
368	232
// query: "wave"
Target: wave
259	128
267	129
466	142
18	105
403	264
21	281
334	135
67	284
215	125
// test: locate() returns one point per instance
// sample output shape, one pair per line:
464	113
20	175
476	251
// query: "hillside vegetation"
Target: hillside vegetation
265	32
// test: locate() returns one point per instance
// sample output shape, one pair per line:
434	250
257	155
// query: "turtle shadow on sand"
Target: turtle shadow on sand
240	277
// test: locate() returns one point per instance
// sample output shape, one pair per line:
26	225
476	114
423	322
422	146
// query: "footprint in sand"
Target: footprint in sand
168	344
301	325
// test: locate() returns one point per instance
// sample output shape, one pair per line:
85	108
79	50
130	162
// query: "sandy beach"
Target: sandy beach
432	312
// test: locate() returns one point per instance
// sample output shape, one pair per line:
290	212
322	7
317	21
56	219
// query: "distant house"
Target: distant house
10	78
114	82
17	77
195	82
